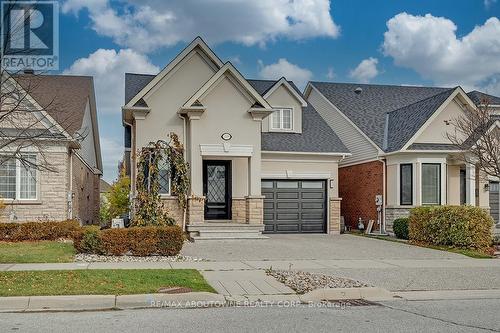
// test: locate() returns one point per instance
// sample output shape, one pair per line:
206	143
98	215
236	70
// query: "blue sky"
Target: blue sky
420	42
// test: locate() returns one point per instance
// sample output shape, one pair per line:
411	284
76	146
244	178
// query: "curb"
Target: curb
109	302
337	294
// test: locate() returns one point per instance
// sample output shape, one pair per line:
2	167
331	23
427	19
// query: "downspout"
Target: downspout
382	227
184	136
132	193
70	192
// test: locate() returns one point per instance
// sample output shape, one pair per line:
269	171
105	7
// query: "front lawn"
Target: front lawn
99	282
465	252
36	252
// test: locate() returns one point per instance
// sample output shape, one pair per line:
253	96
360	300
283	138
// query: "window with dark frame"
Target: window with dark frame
406	184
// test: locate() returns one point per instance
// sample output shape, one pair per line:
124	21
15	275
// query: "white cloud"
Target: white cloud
108	68
147	25
290	71
430	46
112	153
365	71
489	3
330	74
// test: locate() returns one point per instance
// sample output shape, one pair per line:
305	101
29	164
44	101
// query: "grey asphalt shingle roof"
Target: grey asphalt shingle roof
406	121
478	96
432	146
316	135
400	109
134	84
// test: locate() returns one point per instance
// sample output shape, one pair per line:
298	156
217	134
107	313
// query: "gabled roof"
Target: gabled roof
316	135
197	43
64	98
477	97
288	86
403	123
368	109
227	68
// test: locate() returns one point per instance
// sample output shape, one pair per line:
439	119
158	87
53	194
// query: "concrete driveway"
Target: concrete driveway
310	247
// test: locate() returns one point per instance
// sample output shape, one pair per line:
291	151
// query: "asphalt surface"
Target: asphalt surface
397	316
304	246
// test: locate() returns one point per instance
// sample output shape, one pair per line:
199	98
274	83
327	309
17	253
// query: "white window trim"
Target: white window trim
18	184
442	180
280	110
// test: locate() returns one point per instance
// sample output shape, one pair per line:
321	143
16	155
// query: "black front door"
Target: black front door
217	189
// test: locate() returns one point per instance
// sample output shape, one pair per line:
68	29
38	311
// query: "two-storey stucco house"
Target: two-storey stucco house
261	158
400	148
55	123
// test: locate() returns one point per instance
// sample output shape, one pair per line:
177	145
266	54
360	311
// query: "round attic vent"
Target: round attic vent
358	90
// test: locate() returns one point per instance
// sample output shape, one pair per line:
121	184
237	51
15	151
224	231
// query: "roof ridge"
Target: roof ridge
422	100
379	85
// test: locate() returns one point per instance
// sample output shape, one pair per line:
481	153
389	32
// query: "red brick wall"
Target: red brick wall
86	199
358	186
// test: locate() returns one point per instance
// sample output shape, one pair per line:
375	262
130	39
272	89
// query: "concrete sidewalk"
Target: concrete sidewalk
265	264
309	264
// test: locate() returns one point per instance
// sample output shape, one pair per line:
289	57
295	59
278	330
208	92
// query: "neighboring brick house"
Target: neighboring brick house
400	150
67	137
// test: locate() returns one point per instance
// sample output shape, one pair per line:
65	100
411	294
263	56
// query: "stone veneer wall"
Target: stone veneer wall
195	210
334	215
174	210
52	204
239	210
255	210
392	213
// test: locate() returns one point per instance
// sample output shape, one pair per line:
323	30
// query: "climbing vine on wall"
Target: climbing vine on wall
149	208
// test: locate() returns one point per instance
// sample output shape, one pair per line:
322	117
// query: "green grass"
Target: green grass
99	282
468	253
36	252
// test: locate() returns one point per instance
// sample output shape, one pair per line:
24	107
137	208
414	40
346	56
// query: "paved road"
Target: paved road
422	316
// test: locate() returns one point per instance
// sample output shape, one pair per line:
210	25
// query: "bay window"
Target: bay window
282	119
18	178
406	184
431	184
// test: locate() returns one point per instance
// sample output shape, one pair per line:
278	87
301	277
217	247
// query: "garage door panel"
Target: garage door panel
294	206
287	228
312	195
287	205
287	216
313	205
287	195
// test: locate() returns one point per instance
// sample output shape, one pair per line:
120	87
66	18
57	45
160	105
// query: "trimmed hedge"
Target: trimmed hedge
400	227
464	227
36	231
137	241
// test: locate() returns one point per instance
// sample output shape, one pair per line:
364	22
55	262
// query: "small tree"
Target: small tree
116	201
478	138
149	209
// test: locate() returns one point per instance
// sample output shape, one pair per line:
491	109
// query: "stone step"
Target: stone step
225	230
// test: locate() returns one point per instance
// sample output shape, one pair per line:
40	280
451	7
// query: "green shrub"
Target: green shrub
464	227
115	241
138	241
35	231
400	227
88	240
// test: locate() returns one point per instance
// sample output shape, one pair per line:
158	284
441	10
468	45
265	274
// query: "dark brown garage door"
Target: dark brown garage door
294	206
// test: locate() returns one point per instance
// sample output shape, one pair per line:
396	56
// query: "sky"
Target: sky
419	42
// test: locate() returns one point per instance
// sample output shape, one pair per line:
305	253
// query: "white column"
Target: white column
470	184
254	175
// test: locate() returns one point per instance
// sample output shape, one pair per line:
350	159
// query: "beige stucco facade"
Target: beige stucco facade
219	116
